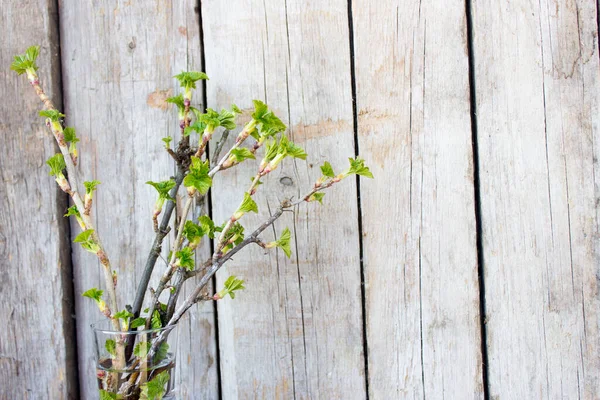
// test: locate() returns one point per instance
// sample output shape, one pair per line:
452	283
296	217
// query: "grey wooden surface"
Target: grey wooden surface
479	236
37	349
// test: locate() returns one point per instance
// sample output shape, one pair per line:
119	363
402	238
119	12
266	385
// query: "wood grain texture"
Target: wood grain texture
419	232
118	62
37	353
536	73
296	331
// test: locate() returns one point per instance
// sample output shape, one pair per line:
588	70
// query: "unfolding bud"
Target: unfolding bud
63	183
104	308
114	278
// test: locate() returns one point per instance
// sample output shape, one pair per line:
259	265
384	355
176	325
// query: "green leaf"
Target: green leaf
284	242
26	61
178	101
271	152
69	134
227	119
111	347
72	211
167	141
136	323
198	176
207	225
357	166
268	123
185	258
141	349
162	352
90	186
155	389
56	164
192	231
327	170
318	196
235	109
86	239
155	322
240	154
248	205
231	285
104	395
197	126
94	294
124	315
188	79
163	188
288	148
54	115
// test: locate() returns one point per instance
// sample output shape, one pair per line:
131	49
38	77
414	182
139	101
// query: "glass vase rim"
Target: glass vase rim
96	329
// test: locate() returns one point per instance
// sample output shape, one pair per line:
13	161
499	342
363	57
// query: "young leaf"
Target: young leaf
111	347
235	109
155	389
69	134
185	258
56	164
167	141
86	239
104	395
188	80
192	231
72	211
90	186
123	314
327	170
94	294
268	123
177	100
240	154
155	322
136	323
227	119
248	205
318	196
231	285
54	115
207	225
197	127
23	62
288	148
162	352
198	176
284	242
141	349
357	166
163	188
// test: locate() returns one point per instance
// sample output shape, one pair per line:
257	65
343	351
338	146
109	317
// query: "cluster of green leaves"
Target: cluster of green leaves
87	241
266	121
278	150
358	167
96	295
197	177
247	205
211	120
57	165
104	395
240	154
90	187
74	212
185	258
26	62
155	388
230	286
233	237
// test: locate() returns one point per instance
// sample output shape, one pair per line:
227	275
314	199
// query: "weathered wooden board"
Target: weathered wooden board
536	74
37	353
296	331
419	232
118	63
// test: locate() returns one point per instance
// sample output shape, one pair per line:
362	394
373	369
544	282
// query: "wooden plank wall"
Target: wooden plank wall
37	349
468	268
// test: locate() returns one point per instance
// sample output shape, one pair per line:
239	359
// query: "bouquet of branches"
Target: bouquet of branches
139	368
